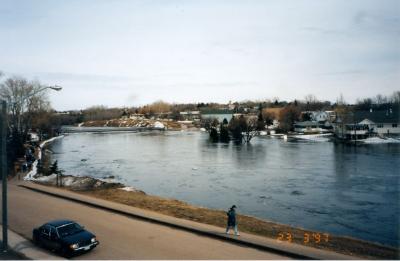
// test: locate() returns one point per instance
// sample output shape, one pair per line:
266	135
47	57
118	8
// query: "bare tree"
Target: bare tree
380	99
23	99
340	100
251	129
395	98
310	99
288	116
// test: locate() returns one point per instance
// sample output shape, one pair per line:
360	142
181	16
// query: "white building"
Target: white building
365	123
321	116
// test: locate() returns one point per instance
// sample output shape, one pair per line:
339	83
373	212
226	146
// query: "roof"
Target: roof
381	116
60	222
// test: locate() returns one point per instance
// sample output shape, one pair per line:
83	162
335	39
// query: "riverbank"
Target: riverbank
115	192
141	123
179	209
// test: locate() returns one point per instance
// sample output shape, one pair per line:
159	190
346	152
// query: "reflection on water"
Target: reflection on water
317	185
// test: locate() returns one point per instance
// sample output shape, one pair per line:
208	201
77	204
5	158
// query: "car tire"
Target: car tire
65	253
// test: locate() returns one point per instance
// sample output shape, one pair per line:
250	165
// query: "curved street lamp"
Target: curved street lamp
3	160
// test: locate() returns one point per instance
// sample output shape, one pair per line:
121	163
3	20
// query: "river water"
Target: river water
328	187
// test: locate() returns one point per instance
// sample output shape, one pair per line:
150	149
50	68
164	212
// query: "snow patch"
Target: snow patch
378	140
67	181
263	133
128	189
31	174
159	125
314	137
50	140
132	189
47	178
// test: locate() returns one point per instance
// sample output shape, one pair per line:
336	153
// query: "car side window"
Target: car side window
53	233
45	230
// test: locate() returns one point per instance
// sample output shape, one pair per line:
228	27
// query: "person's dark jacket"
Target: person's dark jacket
231	217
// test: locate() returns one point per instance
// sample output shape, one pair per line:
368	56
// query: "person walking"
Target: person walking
232	220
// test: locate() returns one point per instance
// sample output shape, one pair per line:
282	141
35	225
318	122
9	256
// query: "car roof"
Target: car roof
59	222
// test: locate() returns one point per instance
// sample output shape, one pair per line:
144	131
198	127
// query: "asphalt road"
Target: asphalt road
120	237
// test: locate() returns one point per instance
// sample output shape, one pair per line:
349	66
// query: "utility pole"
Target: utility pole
3	171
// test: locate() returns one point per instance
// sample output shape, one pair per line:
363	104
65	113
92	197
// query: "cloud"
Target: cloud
343	72
378	22
83	77
323	30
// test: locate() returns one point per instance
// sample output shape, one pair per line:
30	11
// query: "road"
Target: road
121	237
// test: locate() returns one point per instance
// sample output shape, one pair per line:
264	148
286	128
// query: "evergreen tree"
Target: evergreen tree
54	168
224	133
260	121
214	134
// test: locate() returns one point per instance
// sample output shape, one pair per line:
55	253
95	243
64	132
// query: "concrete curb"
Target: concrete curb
281	248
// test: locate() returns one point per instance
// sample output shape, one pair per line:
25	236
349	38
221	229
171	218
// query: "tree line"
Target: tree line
36	113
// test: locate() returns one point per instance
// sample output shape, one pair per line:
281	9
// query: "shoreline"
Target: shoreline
117	192
175	208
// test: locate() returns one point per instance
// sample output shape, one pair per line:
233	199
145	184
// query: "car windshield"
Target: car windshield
69	229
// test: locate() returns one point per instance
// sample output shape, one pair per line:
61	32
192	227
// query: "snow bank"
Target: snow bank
263	133
159	125
31	174
378	140
131	189
47	178
50	140
314	137
76	182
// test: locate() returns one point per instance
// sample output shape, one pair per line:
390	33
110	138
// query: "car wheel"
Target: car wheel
65	253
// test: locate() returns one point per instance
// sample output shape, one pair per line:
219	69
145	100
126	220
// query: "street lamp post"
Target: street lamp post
3	170
3	160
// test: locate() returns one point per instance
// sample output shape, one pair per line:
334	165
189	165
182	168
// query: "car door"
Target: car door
45	235
54	239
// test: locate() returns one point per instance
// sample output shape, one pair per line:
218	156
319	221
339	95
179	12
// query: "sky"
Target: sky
130	53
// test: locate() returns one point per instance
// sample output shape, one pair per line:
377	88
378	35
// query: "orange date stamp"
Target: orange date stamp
307	238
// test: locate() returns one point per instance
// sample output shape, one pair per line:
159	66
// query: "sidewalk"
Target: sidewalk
266	244
11	255
22	248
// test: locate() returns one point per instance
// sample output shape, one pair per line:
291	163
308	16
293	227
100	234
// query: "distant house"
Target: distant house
321	116
310	127
190	115
382	122
136	116
363	124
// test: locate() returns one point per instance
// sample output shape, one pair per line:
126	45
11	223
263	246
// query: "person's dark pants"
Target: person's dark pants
234	228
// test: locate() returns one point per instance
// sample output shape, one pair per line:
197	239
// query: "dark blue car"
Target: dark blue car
64	236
